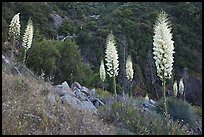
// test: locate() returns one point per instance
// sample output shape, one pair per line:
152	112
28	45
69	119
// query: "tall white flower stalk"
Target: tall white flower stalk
27	38
111	58
163	50
181	87
175	88
102	72
129	71
14	31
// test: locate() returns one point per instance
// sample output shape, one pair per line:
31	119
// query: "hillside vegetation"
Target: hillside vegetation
66	42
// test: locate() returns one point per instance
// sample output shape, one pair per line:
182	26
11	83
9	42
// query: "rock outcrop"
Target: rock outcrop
79	97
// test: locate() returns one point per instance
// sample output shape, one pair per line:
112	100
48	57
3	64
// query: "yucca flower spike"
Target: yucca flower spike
163	50
129	69
175	88
14	27
102	71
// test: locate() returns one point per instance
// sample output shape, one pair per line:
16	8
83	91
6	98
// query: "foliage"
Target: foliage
179	110
58	59
91	33
66	28
102	93
140	123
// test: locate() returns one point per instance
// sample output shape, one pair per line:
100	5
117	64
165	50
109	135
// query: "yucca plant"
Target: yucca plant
181	88
102	72
175	88
14	32
163	51
129	71
179	110
111	58
27	38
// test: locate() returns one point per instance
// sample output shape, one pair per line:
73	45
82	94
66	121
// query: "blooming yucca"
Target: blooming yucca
112	59
28	37
129	69
163	47
102	71
111	56
181	87
163	50
175	88
14	27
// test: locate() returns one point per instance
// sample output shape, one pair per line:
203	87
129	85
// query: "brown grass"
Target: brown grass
26	109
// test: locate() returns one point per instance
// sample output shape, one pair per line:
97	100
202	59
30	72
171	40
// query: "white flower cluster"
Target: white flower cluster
28	35
14	27
175	88
111	56
163	47
181	87
102	71
129	69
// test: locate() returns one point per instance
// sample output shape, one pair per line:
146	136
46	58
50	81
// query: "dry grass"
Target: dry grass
27	109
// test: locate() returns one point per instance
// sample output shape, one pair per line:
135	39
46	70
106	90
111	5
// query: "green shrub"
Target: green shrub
102	93
179	110
60	59
133	120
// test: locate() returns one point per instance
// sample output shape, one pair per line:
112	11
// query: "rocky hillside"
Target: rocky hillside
79	29
37	107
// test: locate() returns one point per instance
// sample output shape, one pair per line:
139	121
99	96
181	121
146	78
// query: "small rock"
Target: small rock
80	95
152	101
84	90
72	101
88	106
75	85
92	92
65	87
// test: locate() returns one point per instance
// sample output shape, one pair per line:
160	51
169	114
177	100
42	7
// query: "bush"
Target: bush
133	120
102	93
59	59
179	110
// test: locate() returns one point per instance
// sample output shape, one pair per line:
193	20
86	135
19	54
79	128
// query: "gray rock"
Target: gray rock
99	102
80	95
86	105
72	101
149	104
57	20
95	101
92	92
84	90
75	85
65	87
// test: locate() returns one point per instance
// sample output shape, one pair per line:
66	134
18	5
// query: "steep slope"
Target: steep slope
32	106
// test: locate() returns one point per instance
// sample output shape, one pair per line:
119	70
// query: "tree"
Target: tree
112	59
163	50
